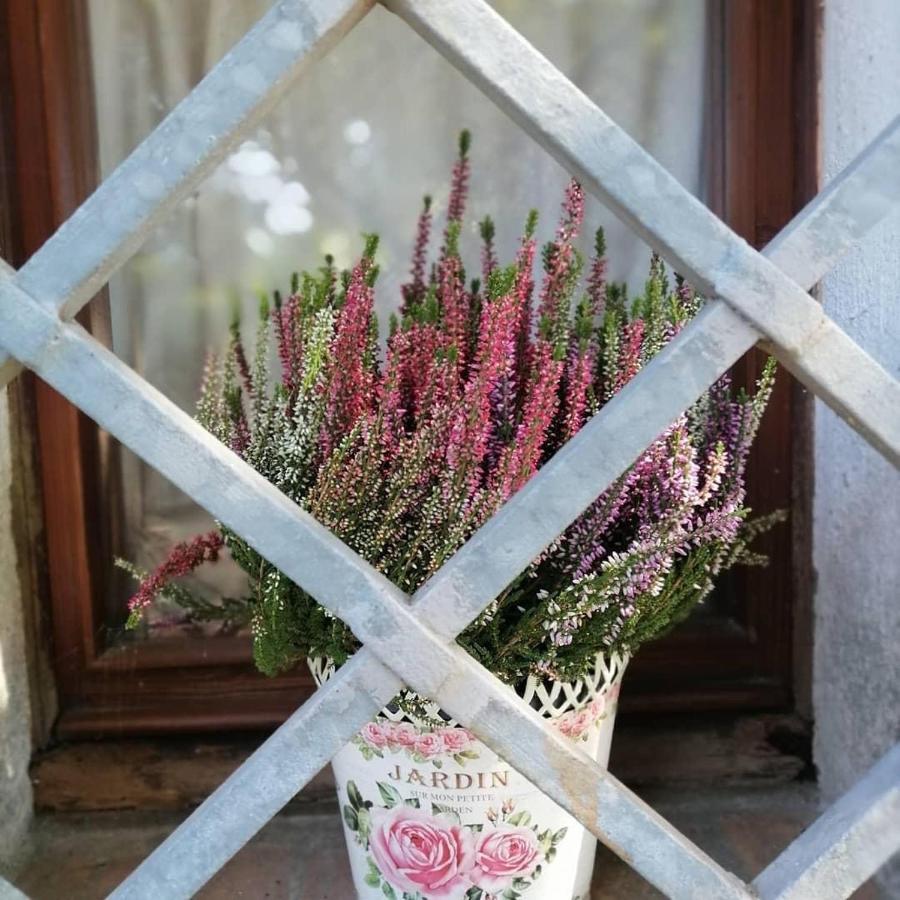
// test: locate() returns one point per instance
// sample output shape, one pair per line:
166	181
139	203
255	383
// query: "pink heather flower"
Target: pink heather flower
630	353
455	739
430	744
503	854
374	735
351	385
471	429
240	358
289	348
400	734
522	457
596	284
419	852
240	434
553	307
579	375
524	290
455	303
183	559
414	291
459	182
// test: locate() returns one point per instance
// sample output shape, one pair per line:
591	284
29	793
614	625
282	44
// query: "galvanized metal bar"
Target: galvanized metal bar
183	149
446	673
71	361
583	468
10	891
166	437
865	193
586	466
846	846
712	313
235	811
537	96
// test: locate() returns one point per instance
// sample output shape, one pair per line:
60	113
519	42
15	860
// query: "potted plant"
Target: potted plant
404	451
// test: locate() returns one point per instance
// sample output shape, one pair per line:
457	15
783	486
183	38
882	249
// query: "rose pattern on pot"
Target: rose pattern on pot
577	724
425	745
463	830
419	854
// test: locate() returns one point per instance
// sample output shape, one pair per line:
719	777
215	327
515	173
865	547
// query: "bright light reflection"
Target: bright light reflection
288	218
259	241
357	132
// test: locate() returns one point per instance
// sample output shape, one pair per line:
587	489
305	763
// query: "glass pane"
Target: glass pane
353	148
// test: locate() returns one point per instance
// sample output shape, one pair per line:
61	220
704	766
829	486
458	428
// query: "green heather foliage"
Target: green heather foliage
404	453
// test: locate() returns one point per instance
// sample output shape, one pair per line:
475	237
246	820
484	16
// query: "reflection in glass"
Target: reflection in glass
366	133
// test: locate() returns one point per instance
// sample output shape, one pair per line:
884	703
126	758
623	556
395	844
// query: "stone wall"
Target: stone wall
15	722
856	517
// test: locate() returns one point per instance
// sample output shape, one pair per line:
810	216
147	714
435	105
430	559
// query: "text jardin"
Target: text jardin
459	781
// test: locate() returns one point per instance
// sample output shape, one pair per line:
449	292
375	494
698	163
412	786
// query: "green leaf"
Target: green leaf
559	835
468	754
364	819
413	802
353	795
350	818
388	891
389	794
373	876
520	818
437	763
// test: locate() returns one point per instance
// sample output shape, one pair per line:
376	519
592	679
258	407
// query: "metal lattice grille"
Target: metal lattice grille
763	299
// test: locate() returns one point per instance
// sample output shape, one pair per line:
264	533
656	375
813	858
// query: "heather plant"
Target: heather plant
404	452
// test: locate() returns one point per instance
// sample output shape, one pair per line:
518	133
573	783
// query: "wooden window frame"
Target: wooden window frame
767	170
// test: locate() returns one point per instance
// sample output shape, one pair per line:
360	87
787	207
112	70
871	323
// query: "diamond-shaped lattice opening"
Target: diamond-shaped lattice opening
576	132
340	137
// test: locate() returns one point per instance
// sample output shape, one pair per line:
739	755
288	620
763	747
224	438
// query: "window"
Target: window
280	202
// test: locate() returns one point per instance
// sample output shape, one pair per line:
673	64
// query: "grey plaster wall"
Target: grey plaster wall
15	724
856	690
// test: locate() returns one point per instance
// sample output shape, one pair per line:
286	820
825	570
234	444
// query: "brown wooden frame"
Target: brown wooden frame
767	168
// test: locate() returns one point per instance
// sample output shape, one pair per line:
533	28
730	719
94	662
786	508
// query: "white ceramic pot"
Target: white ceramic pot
431	813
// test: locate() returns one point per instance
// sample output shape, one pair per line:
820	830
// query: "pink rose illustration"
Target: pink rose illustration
415	851
574	724
430	744
502	854
455	739
374	735
400	734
